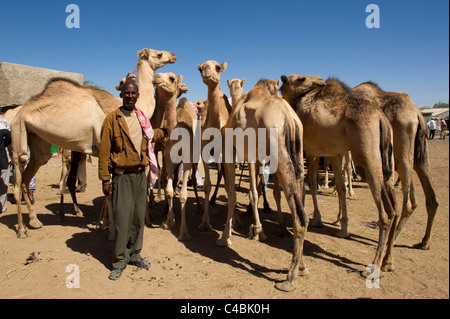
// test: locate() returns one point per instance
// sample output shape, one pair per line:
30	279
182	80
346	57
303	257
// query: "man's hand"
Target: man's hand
107	188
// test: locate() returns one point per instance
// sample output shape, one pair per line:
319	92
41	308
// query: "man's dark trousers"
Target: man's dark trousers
129	200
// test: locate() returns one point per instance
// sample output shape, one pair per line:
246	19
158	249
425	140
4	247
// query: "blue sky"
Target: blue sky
258	39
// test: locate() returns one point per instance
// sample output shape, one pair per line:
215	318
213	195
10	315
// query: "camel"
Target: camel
261	110
217	112
177	116
335	121
48	118
410	151
237	95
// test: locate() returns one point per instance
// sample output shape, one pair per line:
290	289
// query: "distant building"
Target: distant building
20	82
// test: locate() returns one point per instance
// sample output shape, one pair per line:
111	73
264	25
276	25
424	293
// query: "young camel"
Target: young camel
70	116
410	151
261	110
336	121
217	112
183	116
237	95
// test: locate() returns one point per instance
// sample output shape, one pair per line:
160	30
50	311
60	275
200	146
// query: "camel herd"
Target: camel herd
383	131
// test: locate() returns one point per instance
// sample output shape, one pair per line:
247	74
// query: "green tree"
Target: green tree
441	105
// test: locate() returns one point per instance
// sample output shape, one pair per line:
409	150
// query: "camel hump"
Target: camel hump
185	113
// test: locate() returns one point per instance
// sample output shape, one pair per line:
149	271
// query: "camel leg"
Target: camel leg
349	171
432	204
219	179
336	163
230	187
71	183
205	224
256	231
383	197
327	173
300	226
277	196
169	223
312	174
184	234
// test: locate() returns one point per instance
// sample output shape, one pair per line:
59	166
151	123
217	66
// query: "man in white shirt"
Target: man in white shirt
432	126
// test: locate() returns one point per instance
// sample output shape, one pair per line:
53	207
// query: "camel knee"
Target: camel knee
23	159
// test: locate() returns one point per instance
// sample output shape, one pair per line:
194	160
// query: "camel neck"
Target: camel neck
215	98
170	110
146	90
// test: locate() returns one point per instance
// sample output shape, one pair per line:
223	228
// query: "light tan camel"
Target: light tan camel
410	151
238	96
177	116
336	121
261	110
217	112
48	118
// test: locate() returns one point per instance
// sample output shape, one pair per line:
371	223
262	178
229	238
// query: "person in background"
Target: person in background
443	129
5	141
432	127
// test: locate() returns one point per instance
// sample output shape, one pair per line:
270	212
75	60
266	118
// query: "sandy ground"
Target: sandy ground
201	270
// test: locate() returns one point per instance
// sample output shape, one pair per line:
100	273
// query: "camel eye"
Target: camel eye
218	68
172	79
301	80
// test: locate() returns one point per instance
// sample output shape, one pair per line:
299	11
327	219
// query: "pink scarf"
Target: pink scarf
148	133
195	107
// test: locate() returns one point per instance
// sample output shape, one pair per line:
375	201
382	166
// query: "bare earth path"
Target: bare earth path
200	269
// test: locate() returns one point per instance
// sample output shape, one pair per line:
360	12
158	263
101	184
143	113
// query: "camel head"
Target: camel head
210	71
155	58
182	88
167	83
236	86
130	77
200	105
273	87
298	85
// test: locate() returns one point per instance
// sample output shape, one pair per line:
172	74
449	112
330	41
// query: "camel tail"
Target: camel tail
420	142
294	148
386	149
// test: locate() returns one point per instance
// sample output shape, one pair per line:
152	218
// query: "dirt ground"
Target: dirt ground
199	269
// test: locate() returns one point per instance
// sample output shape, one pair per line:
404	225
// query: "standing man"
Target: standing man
443	129
125	150
5	141
432	126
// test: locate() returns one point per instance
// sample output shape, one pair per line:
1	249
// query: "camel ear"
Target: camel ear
228	82
242	82
278	83
284	79
118	87
180	79
224	66
144	53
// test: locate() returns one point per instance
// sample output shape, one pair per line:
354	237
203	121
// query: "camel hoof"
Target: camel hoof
184	237
336	223
388	267
223	242
316	223
35	223
342	234
422	245
23	234
205	226
285	286
303	272
167	225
